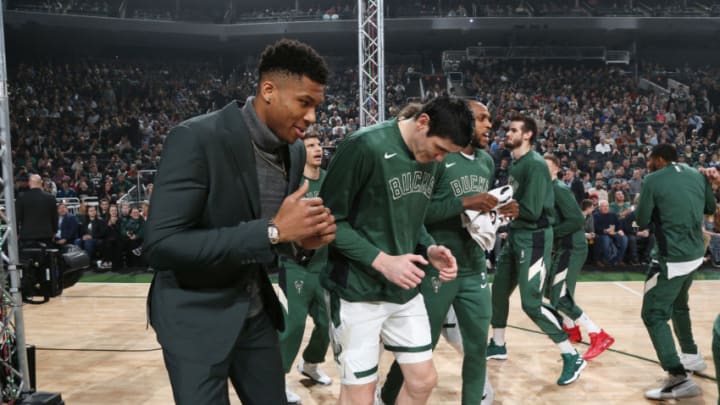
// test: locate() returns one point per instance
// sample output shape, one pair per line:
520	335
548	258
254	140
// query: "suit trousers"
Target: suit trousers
253	366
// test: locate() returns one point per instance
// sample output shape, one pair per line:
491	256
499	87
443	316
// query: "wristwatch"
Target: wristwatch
273	233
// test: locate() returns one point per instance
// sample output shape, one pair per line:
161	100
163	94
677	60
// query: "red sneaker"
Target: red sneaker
574	334
599	342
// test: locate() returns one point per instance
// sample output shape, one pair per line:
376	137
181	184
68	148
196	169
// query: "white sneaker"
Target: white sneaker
292	398
693	362
311	370
674	386
489	394
99	264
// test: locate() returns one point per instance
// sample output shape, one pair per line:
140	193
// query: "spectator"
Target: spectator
68	229
112	247
576	185
599	190
104	208
610	240
92	231
603	147
621	207
608	171
65	191
635	182
640	242
133	230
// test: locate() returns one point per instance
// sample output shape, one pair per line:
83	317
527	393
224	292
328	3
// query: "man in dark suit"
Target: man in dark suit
213	232
68	227
37	218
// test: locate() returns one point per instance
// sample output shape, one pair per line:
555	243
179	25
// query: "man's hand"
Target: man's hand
480	202
642	234
510	210
443	260
323	237
400	270
304	218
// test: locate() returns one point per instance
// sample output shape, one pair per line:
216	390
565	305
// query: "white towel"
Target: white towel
483	227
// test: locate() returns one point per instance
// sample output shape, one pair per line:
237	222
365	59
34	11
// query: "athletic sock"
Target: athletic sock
499	336
587	323
567	321
566	347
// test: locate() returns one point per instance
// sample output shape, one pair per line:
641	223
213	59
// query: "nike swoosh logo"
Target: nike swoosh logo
390	155
449	165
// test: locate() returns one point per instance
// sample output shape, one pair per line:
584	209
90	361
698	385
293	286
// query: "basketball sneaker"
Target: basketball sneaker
674	386
496	352
574	334
311	370
292	398
693	362
488	393
599	342
573	364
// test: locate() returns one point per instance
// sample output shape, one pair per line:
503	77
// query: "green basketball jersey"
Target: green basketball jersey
379	195
569	217
532	188
674	199
319	259
459	177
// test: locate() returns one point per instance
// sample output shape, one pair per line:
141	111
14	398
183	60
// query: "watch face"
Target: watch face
273	234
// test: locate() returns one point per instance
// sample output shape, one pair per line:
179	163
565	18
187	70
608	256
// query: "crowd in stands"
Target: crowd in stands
225	13
95	128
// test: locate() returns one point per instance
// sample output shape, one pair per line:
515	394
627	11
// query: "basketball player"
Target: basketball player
527	250
673	198
379	186
304	295
463	181
571	250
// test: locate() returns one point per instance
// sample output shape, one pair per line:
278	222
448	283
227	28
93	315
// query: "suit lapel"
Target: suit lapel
242	156
297	164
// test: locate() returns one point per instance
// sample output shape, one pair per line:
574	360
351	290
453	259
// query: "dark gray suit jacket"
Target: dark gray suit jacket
204	236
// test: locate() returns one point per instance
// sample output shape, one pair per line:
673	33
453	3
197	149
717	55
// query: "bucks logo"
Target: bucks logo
299	286
435	284
483	280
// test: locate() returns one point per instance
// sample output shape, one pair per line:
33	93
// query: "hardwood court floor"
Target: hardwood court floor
94	348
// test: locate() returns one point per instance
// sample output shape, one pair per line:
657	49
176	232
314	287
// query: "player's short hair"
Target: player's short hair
665	152
450	118
289	56
529	125
587	203
552	158
312	132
